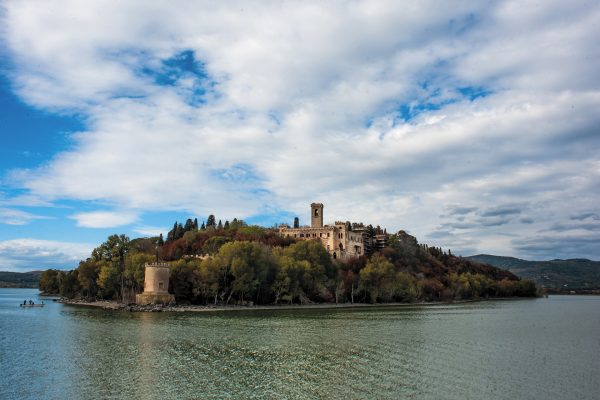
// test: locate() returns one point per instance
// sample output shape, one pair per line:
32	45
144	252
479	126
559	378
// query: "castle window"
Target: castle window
316	212
161	285
327	234
320	235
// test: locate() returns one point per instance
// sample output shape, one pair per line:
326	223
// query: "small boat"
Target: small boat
32	305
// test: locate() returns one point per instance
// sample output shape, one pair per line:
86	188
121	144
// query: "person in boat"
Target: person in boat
24	302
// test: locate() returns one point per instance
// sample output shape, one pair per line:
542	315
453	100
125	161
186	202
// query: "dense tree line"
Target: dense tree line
250	264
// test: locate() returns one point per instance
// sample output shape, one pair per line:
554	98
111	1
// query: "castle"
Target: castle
340	240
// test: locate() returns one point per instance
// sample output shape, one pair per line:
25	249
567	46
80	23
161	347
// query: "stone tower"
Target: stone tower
316	215
156	285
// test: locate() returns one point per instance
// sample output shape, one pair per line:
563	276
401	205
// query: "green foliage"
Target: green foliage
251	264
109	280
49	282
213	244
378	279
211	222
88	278
113	250
68	283
20	279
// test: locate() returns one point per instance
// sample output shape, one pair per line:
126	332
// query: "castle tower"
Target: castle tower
156	285
316	215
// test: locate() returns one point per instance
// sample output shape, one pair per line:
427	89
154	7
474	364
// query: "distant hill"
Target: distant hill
563	275
19	279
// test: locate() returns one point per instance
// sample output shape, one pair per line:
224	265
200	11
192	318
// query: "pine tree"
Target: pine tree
296	222
189	225
220	226
203	227
160	240
196	223
211	222
226	226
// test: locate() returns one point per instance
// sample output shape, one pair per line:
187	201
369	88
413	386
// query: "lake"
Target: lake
513	349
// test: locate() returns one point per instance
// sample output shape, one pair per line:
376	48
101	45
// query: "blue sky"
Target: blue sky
471	125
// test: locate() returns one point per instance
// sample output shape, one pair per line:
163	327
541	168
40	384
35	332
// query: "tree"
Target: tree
108	280
189	238
189	225
296	222
226	226
211	222
68	283
214	243
220	225
183	281
135	273
317	270
88	277
249	263
113	251
377	278
48	283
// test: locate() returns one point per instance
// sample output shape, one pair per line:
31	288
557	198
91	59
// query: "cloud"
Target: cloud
150	231
388	114
501	212
17	217
560	245
104	219
586	215
30	254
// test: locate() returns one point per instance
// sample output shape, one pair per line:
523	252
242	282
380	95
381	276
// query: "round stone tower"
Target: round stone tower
156	285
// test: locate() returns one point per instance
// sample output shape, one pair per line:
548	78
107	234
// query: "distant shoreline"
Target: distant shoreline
114	305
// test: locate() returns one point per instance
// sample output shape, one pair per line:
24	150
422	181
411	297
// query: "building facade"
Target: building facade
339	239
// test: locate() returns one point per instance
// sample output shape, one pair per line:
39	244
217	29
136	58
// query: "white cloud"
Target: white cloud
310	98
104	219
150	231
30	254
11	216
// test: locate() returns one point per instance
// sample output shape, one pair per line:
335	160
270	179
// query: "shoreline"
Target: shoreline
114	305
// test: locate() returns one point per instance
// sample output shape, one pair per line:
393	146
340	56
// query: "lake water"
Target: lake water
518	349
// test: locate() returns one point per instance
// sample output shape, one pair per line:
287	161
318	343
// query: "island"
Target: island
235	264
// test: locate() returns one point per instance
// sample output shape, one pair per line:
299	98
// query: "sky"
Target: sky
472	125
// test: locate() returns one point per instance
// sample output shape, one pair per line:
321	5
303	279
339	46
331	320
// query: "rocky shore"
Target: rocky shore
113	305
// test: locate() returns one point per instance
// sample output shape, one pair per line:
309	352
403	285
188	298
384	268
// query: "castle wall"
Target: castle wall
338	240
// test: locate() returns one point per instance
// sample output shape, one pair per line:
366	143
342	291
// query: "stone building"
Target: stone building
156	285
339	239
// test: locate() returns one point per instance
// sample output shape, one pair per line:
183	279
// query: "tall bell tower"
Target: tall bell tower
316	215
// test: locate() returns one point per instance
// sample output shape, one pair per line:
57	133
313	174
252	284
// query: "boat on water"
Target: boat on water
32	305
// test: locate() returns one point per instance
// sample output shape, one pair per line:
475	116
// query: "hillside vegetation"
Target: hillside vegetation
233	263
19	279
554	275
